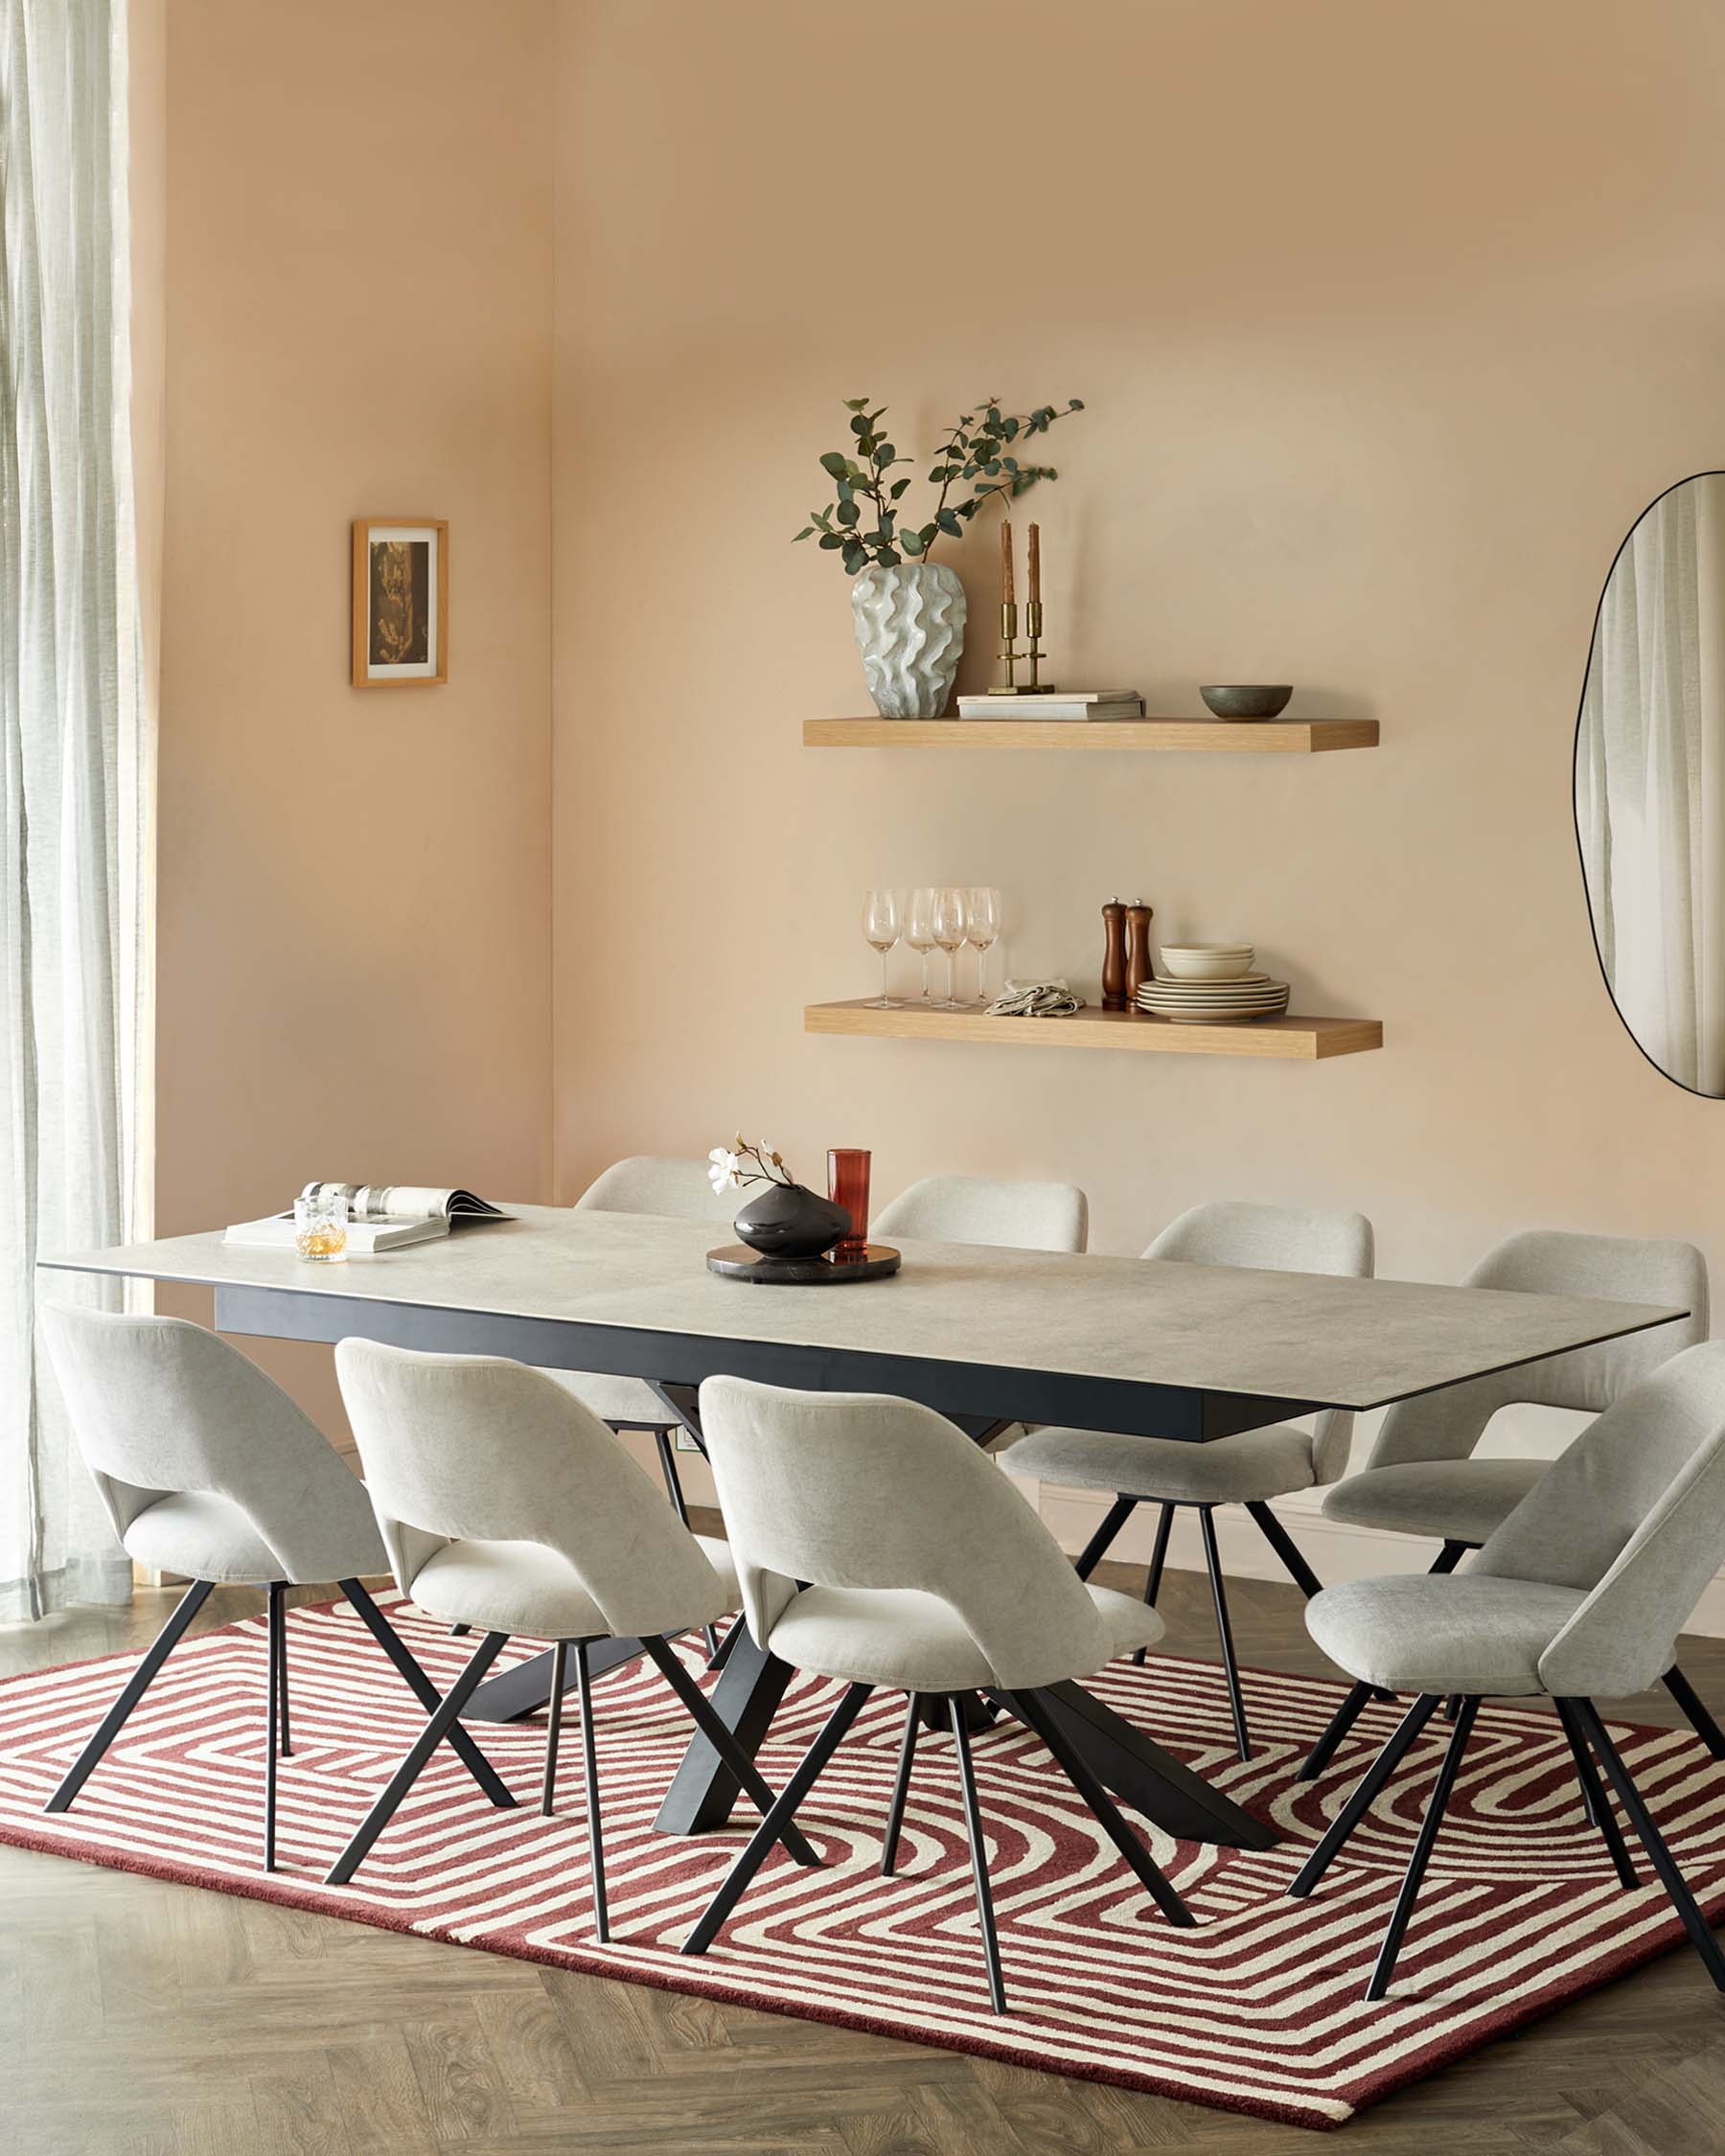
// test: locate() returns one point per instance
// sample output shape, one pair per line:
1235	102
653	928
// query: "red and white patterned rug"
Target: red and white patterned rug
1258	2009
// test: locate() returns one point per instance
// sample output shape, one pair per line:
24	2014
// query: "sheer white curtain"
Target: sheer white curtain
1650	782
74	758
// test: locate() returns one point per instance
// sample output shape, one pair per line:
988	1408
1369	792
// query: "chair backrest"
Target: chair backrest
473	1447
1448	1424
1019	1216
161	1407
840	1489
1634	1511
648	1182
1279	1239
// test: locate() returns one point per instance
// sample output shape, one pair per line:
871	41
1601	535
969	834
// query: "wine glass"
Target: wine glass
948	925
881	932
919	934
981	929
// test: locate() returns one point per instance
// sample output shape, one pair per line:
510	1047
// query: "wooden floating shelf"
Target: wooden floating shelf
1275	736
1289	1040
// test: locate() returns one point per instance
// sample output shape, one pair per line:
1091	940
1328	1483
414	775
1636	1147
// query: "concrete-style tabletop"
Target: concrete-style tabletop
1291	1336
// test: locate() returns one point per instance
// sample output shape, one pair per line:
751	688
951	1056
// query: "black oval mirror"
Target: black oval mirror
1649	783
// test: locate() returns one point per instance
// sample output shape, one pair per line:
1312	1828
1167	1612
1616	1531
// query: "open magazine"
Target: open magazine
381	1216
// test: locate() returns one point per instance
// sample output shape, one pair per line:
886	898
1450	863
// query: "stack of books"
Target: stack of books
1057	703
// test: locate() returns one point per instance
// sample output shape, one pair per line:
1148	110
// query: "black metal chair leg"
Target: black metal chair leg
1287	1549
1653	1842
274	1644
589	1762
1450	1556
278	1619
783	1809
560	1665
721	1654
1029	1707
1159	1557
1340	1723
979	1856
673	1489
1424	1845
901	1788
1595	1798
1365	1793
1097	1549
459	1631
426	1691
133	1691
444	1718
724	1742
1236	1698
1696	1713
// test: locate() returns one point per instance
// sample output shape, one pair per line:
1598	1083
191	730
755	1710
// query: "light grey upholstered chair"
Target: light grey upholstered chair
674	1189
876	1544
1019	1216
1247	1469
207	1469
507	1507
1422	1479
1581	1591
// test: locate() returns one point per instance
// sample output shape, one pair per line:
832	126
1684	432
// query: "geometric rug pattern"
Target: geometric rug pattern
1258	2009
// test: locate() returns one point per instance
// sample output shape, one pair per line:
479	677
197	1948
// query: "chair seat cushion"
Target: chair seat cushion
1460	1499
615	1399
1257	1463
523	1587
912	1642
1464	1633
202	1536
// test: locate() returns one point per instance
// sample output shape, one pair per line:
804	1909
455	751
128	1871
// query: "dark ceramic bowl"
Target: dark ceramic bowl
1245	699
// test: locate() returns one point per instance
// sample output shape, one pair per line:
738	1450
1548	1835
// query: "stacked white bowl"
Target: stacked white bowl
1204	983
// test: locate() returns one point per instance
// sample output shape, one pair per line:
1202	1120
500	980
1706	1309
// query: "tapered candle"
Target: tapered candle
1035	566
1006	594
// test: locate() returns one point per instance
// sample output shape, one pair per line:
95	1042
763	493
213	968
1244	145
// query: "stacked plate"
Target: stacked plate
1205	1003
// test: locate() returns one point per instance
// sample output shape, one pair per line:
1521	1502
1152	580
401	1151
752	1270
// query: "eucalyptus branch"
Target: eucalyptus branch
975	449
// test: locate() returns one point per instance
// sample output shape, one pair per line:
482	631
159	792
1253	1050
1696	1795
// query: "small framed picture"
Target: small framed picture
400	602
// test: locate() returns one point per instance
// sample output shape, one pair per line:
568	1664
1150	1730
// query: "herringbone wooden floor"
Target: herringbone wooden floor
143	2019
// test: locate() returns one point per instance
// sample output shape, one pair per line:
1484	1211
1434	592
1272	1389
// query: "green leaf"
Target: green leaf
844	490
888	558
950	524
856	403
911	542
856	557
858	425
835	462
1074	404
807	532
829	541
886	453
898	486
848	513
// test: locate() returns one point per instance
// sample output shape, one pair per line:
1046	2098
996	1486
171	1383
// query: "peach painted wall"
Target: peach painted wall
1389	320
354	899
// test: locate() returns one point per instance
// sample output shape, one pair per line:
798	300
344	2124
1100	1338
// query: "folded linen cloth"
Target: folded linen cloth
1035	999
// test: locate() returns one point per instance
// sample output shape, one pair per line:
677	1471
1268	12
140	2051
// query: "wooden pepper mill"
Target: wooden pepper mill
1113	957
1138	967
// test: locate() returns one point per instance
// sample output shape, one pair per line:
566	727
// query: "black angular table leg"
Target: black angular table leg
1144	1776
745	1698
526	1689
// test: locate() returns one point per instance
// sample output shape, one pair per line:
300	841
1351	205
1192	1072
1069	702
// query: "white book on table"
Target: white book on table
364	1237
1074	705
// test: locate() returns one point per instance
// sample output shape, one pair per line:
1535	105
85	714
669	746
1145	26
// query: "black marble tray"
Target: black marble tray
738	1262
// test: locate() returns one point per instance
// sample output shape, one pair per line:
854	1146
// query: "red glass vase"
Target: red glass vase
847	1185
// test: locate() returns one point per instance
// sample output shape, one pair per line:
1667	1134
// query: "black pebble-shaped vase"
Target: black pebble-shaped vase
786	1221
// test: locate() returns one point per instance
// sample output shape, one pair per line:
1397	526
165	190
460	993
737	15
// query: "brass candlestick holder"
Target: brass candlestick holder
1010	655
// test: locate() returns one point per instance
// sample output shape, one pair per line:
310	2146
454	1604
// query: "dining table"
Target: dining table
987	1336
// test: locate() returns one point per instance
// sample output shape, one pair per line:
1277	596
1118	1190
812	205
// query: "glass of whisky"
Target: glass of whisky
320	1228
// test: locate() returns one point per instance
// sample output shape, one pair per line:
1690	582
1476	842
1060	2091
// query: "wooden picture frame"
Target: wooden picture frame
400	602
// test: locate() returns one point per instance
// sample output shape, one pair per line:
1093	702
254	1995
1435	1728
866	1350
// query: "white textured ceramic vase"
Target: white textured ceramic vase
909	630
